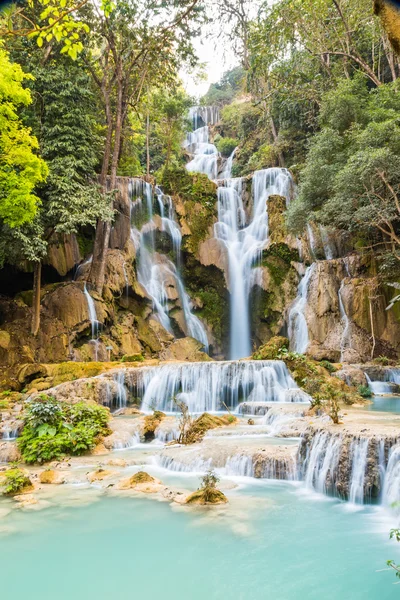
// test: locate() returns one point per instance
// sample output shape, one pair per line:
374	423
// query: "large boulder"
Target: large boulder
185	349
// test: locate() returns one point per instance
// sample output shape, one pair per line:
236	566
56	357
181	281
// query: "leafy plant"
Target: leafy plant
226	145
328	366
15	480
53	429
394	534
364	391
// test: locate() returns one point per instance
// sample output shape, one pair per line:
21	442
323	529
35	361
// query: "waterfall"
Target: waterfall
206	155
93	319
227	171
9	434
359	452
391	379
240	465
206	115
244	244
345	341
391	487
329	250
213	386
321	462
298	329
156	272
311	239
243	239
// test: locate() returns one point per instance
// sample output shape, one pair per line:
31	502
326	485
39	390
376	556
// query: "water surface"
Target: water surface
274	542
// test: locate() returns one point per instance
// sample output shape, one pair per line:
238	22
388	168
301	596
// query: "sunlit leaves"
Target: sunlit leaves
20	168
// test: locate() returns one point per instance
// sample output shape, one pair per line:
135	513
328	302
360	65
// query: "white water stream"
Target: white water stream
156	272
298	329
243	236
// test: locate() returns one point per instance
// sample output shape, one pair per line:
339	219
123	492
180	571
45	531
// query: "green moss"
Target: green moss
204	423
282	251
272	349
151	422
141	477
207	496
277	269
85	243
132	358
199	195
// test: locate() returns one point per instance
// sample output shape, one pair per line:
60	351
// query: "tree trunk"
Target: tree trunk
148	144
37	275
275	136
103	230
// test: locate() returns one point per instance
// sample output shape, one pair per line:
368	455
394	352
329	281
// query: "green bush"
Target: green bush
53	429
364	391
226	145
132	358
328	366
15	481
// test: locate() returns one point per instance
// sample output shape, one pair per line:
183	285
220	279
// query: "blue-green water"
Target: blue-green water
284	545
385	404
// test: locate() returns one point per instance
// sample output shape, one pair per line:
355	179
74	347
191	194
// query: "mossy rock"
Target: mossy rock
204	423
132	358
151	422
271	349
141	477
207	496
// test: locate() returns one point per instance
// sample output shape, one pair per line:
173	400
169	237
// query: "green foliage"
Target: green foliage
226	145
15	481
394	534
226	89
382	360
364	391
132	358
351	180
328	366
20	169
53	429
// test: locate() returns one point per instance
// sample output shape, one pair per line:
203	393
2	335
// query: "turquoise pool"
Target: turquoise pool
274	542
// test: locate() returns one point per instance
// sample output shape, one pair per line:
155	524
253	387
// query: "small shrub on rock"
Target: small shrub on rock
208	493
54	429
328	366
364	391
15	481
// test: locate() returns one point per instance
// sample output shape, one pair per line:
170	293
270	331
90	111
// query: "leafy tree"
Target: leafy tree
124	61
20	168
168	122
351	179
64	117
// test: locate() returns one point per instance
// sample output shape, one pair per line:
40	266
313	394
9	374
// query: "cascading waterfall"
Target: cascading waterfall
214	386
95	324
359	452
345	341
320	465
298	329
388	385
244	244
227	171
156	272
243	239
391	485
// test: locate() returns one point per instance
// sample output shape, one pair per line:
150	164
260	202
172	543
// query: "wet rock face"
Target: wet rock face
344	465
347	279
